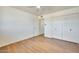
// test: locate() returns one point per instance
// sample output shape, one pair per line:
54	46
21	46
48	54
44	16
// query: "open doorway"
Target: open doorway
41	25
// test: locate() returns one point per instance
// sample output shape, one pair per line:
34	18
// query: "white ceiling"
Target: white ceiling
43	9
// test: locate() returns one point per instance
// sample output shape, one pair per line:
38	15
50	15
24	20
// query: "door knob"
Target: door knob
70	30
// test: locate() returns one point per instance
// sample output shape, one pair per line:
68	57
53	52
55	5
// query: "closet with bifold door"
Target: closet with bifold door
64	27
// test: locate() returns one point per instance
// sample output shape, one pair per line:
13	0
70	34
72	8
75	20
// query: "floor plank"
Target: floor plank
40	44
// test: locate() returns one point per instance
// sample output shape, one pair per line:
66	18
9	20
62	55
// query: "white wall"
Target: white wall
16	25
63	25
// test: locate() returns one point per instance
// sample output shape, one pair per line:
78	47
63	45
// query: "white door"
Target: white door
53	28
71	28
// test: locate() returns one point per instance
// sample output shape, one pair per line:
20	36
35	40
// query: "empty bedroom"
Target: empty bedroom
39	29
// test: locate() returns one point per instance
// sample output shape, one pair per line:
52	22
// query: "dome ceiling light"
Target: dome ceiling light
38	7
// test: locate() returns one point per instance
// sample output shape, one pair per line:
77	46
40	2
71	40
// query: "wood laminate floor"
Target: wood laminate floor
40	44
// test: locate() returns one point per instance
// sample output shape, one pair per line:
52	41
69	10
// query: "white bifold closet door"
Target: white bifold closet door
64	27
57	28
53	28
71	28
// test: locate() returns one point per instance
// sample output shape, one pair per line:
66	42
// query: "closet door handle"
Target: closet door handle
70	30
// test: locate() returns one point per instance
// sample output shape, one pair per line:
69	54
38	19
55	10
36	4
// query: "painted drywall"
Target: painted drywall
63	25
16	25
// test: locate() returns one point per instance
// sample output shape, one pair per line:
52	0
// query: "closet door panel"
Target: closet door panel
71	28
57	29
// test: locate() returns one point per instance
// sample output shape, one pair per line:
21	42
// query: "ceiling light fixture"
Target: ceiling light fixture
38	6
